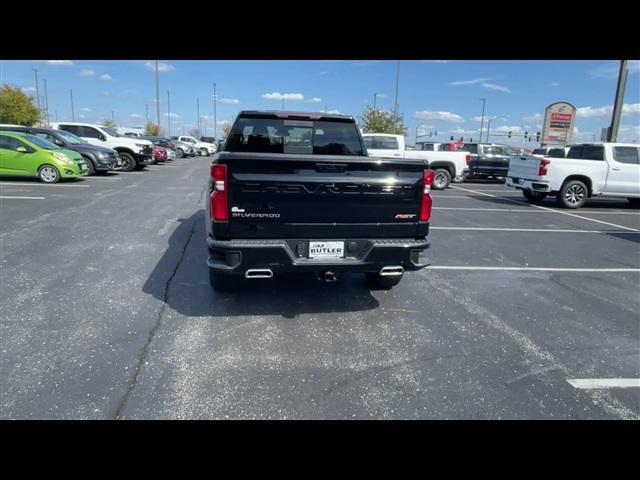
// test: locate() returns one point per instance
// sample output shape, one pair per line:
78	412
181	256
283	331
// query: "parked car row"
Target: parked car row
71	149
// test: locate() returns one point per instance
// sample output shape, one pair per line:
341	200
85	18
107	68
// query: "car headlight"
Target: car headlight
101	155
63	158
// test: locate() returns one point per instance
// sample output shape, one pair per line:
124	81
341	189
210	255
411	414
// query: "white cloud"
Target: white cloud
172	115
533	118
162	67
554	84
629	133
85	109
285	96
442	116
28	90
612	69
493	86
486	117
591	112
314	100
334	112
60	63
87	73
136	115
469	82
323	73
506	128
230	101
381	95
106	77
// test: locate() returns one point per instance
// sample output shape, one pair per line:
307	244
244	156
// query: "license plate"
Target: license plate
326	249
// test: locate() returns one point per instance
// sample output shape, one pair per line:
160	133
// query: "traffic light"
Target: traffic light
452	138
509	133
525	135
471	140
435	134
537	136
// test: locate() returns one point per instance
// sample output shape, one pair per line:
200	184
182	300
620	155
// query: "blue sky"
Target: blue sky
439	95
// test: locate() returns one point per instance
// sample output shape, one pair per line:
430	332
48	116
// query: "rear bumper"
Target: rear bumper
291	255
526	184
488	170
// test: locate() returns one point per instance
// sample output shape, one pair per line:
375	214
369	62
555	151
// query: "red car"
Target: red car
159	154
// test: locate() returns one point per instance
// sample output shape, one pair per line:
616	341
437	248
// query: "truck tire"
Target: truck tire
385	282
128	161
573	194
441	179
635	202
223	282
204	152
534	197
179	153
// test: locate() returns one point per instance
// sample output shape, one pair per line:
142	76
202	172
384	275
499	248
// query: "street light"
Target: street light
482	119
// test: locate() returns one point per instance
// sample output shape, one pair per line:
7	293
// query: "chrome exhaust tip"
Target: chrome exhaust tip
329	277
390	271
258	273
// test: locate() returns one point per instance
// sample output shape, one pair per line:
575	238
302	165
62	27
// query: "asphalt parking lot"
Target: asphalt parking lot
526	312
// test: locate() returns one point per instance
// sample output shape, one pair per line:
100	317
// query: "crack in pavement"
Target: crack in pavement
145	350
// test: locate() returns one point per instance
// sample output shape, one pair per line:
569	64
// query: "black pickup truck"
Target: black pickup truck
296	192
489	160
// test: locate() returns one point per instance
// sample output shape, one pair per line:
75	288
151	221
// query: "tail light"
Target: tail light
220	194
425	204
543	167
467	158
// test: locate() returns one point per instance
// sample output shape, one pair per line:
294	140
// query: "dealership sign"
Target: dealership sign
559	119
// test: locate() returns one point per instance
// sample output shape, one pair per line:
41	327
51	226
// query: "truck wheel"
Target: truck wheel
179	153
383	281
635	202
48	174
534	197
204	152
128	161
573	194
223	282
441	179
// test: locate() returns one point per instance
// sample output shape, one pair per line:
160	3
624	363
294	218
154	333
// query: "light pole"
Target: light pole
168	114
488	130
73	116
375	101
215	103
157	96
612	133
46	100
112	118
38	95
395	103
146	106
482	119
198	112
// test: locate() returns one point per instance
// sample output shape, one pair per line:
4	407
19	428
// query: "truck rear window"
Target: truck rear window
276	135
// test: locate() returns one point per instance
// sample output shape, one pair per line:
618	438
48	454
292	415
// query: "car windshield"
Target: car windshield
70	137
41	142
110	131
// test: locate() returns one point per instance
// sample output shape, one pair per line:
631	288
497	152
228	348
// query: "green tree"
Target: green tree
374	120
226	129
152	129
17	108
107	122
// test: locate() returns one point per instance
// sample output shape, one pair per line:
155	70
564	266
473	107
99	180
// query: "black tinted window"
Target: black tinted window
471	148
555	153
626	155
90	132
266	135
75	129
385	143
10	143
592	152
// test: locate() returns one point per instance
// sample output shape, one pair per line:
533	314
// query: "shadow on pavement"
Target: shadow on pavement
189	292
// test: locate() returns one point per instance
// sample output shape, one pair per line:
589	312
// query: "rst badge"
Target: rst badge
405	216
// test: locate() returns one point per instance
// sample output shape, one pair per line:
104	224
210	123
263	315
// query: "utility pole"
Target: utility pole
168	114
198	111
215	113
375	101
55	112
38	95
157	96
46	100
325	109
482	119
73	115
146	106
488	130
112	118
283	104
612	134
395	103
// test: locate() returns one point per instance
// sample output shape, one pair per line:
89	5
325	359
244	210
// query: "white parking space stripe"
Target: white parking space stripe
531	269
103	178
530	210
132	173
545	230
551	210
48	185
23	198
589	383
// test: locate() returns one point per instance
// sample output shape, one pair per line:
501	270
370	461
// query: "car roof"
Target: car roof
289	114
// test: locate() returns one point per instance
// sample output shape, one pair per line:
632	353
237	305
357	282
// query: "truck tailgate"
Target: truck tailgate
302	196
526	167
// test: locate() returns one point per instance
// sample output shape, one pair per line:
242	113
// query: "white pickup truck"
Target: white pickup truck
589	170
448	166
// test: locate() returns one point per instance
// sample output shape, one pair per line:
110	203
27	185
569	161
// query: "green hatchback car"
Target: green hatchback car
26	155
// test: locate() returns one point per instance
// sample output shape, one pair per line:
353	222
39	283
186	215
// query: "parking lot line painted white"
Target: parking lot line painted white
132	173
550	209
22	198
48	185
103	178
545	230
530	210
589	383
533	269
